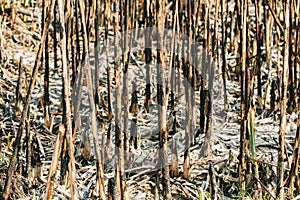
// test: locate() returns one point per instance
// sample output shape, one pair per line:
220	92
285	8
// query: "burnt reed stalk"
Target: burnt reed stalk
46	66
125	60
259	43
162	100
291	103
17	107
148	52
119	142
67	103
242	156
28	138
108	78
283	104
97	48
224	60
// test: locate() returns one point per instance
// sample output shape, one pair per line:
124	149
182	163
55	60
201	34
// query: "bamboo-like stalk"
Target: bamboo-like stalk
68	25
276	83
73	51
291	103
284	85
242	163
191	63
46	82
28	139
174	171
103	144
224	60
162	100
78	26
296	50
97	49
148	53
17	107
64	152
108	78
78	73
295	159
66	98
95	135
171	84
55	40
126	42
119	142
54	162
268	23
125	61
259	40
187	74
203	70
236	32
252	147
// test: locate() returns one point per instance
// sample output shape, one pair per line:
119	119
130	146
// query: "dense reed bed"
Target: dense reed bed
140	99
